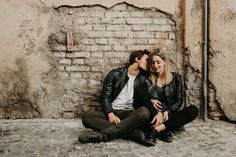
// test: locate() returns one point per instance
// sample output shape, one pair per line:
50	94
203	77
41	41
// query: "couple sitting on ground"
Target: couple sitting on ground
140	102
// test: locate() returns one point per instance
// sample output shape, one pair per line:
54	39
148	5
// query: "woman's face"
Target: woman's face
157	64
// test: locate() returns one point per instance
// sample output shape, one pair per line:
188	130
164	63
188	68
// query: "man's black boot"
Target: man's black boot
151	138
92	137
136	135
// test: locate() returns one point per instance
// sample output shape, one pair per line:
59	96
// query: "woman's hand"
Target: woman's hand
165	116
157	120
156	104
113	119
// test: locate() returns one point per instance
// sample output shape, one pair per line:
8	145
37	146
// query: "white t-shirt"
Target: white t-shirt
124	101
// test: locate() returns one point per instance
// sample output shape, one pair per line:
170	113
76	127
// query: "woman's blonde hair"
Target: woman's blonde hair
166	77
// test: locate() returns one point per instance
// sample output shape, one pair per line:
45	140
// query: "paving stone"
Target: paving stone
109	150
56	138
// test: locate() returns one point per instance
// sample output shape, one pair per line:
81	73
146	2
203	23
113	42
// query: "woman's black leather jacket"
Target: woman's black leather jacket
174	93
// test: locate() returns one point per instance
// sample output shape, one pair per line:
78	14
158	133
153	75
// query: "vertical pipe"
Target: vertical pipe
205	58
184	51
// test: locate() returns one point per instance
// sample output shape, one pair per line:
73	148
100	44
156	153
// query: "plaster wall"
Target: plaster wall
41	78
222	57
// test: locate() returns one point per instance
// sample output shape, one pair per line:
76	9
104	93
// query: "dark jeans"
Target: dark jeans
181	117
129	120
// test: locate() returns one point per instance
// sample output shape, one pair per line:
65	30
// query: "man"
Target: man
122	114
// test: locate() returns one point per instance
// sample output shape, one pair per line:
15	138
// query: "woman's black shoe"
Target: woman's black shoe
165	136
151	138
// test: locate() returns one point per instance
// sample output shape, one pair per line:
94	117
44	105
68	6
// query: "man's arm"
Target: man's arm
106	93
106	97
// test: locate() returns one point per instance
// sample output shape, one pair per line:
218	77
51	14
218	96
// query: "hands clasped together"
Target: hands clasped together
159	117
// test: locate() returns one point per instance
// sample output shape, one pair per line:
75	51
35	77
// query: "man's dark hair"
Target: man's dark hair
137	54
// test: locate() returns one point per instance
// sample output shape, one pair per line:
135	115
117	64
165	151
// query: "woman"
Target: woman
168	86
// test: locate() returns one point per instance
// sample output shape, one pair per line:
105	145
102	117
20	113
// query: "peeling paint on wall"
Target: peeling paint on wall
15	101
193	80
215	111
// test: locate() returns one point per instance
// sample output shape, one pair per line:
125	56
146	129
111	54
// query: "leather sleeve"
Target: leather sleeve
178	99
107	90
150	89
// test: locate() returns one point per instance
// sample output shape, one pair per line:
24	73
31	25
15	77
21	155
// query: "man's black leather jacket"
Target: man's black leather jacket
114	83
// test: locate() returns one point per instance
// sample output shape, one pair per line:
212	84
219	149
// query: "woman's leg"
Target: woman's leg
177	119
180	118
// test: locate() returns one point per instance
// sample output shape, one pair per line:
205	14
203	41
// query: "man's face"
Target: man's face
143	62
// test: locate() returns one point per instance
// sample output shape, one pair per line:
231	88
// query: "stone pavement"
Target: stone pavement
58	138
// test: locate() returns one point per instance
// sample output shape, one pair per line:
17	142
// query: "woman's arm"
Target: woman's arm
178	94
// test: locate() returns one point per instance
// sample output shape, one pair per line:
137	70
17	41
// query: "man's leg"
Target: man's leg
134	120
95	120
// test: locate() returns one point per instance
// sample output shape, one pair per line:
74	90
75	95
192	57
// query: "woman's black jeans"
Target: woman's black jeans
181	117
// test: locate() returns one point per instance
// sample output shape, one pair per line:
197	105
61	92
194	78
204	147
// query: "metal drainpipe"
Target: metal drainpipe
205	58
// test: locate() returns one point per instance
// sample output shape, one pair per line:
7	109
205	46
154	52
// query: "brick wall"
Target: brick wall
102	40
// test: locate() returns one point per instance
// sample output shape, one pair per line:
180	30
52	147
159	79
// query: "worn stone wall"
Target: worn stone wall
102	40
42	77
222	74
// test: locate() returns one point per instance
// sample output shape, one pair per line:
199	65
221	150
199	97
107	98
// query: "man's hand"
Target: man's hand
113	119
157	120
165	116
156	104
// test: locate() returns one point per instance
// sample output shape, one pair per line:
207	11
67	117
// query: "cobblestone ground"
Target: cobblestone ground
58	138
